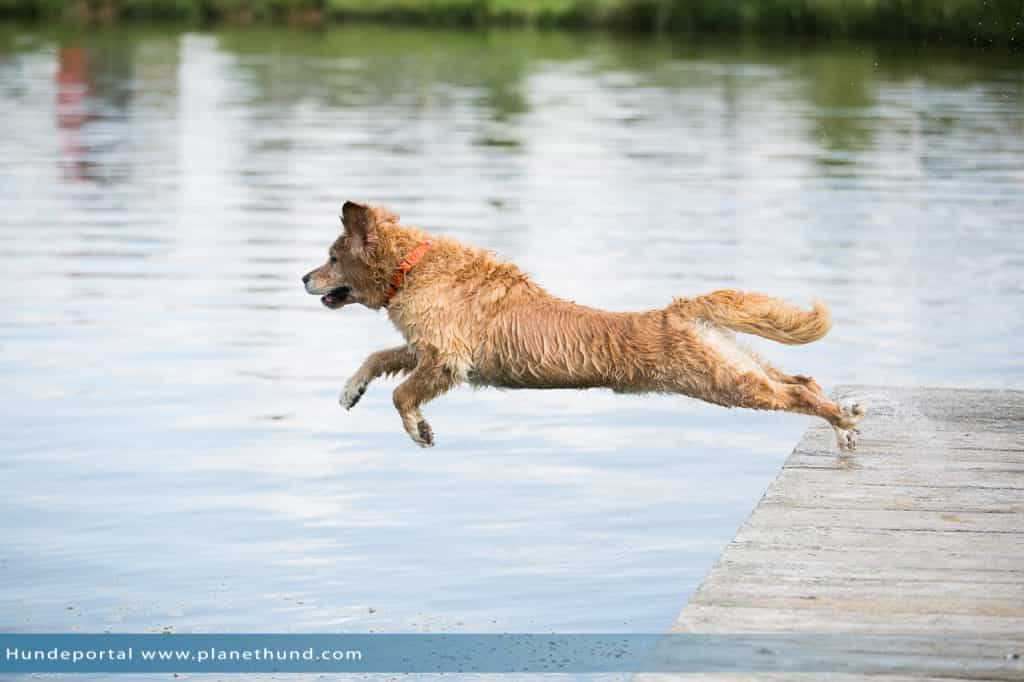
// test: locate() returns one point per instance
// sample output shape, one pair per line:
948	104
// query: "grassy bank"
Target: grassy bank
984	22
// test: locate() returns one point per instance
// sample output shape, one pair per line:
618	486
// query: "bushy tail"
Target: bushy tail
758	314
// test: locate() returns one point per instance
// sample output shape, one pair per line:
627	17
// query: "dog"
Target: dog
469	317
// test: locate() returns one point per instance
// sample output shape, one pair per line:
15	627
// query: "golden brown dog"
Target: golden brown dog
469	317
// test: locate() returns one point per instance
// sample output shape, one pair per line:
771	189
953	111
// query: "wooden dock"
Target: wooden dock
919	532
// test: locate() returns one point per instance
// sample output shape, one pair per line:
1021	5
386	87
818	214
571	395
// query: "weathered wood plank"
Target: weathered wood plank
780	515
920	532
816	494
735	585
736	617
878	558
885	541
785	567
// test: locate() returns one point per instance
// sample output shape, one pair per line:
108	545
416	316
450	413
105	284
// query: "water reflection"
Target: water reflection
72	89
178	459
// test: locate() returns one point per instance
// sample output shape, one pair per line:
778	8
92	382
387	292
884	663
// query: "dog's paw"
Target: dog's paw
424	434
847	433
846	439
354	390
851	414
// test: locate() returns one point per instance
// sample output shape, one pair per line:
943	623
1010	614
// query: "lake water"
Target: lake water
173	455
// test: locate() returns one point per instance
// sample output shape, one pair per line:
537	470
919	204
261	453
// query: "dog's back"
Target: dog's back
497	327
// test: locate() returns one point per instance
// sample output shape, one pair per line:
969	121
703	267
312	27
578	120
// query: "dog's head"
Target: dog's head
348	275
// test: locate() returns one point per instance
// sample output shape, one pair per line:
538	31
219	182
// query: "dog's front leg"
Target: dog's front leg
377	364
430	379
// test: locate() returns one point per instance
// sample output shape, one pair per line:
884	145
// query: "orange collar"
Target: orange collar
411	259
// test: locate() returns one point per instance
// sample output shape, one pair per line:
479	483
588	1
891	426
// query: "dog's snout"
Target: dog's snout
305	278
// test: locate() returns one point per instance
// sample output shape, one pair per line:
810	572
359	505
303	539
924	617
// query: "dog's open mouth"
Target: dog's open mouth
335	298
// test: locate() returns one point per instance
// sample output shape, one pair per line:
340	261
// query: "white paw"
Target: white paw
847	439
847	434
353	391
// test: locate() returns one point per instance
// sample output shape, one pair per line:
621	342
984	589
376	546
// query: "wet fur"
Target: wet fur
468	316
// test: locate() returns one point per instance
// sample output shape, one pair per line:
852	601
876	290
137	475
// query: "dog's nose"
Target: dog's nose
305	278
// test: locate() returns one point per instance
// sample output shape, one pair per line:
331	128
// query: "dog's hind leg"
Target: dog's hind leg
774	373
844	418
430	379
778	375
377	364
762	393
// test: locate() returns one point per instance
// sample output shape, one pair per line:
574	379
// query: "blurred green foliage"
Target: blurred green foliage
957	21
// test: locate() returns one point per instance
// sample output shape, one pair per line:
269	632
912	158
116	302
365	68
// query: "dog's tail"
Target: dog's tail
757	314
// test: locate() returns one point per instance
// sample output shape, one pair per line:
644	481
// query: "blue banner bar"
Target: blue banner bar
508	653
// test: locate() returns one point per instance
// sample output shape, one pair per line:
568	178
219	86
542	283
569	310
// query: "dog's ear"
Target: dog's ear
360	226
361	223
